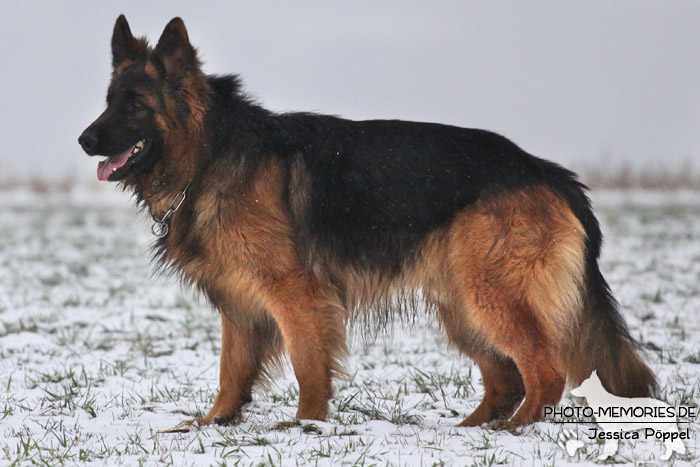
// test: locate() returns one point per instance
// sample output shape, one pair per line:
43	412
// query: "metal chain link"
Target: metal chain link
160	226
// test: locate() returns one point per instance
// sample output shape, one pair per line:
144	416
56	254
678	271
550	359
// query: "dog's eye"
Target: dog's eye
135	106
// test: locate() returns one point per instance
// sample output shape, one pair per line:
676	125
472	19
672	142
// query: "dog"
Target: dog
295	224
597	397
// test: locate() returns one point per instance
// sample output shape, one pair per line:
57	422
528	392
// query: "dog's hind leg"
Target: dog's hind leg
514	334
515	265
249	342
503	385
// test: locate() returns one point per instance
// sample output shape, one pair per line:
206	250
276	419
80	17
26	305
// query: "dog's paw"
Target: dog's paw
569	442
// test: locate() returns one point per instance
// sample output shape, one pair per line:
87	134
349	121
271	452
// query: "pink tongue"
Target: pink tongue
105	167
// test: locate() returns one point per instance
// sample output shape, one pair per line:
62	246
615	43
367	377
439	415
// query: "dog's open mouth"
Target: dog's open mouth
115	167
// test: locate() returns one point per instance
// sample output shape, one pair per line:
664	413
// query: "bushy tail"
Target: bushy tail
602	342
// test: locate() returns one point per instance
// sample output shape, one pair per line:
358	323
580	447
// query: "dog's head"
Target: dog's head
155	107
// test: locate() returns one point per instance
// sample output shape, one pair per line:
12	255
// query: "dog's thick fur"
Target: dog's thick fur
295	224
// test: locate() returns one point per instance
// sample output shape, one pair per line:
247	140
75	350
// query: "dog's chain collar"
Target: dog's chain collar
160	226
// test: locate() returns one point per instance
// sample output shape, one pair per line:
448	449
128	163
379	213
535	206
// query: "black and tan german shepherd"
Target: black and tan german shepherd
295	224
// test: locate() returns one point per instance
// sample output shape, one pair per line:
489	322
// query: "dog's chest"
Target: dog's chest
233	242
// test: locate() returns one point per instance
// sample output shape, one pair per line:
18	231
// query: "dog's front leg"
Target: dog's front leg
313	331
248	343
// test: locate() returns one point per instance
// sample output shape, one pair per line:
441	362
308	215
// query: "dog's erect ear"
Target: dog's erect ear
174	52
124	45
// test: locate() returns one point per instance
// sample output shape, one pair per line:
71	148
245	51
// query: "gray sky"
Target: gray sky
578	82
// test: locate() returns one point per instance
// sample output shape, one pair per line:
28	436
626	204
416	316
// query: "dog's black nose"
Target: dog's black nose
88	141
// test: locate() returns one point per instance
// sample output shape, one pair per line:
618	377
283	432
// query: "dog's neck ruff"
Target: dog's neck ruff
160	227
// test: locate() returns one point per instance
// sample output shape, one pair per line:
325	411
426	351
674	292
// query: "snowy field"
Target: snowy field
97	355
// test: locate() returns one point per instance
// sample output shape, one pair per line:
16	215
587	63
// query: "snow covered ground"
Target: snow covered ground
97	355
